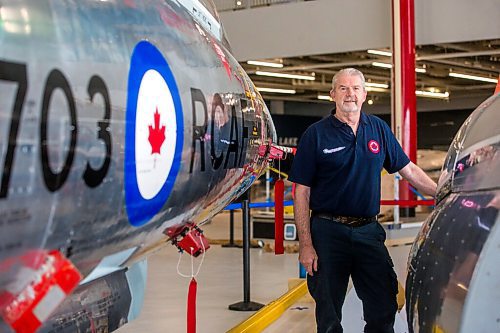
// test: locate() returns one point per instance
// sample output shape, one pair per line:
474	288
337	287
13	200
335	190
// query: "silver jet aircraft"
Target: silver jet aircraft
124	124
453	282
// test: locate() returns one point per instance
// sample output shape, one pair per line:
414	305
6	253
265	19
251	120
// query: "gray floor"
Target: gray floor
220	283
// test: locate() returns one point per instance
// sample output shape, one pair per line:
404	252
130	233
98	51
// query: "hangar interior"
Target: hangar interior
457	61
316	38
115	145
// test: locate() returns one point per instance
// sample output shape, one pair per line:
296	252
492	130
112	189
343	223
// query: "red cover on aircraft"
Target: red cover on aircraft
55	278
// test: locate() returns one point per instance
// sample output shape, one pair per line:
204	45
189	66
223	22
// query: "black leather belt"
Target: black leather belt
351	221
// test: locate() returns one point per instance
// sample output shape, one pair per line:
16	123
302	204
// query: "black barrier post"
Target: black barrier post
231	227
231	231
246	305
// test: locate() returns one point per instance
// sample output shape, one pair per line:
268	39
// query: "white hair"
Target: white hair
351	72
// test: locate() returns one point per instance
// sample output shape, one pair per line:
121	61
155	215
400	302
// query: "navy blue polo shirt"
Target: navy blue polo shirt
343	169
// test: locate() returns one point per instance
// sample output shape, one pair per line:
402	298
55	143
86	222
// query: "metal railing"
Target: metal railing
228	5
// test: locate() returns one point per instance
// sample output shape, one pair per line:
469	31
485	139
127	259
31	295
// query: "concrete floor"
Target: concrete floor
220	283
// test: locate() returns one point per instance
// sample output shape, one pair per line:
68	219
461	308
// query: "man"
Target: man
337	171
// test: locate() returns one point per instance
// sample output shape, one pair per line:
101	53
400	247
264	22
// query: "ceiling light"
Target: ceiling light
376	85
423	93
265	63
386	65
370	102
473	77
285	75
325	98
379	52
377	89
381	64
276	90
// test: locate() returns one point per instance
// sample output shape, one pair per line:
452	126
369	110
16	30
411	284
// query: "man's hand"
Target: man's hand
309	259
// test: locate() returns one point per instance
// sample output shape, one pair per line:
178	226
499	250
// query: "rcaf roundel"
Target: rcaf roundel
153	134
374	146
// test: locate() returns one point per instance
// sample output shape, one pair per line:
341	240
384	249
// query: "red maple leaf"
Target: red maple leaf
156	134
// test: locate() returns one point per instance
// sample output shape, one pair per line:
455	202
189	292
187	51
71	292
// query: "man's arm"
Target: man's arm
419	179
307	254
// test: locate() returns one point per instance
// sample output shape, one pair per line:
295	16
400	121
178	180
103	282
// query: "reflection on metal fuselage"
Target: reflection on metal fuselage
121	122
453	272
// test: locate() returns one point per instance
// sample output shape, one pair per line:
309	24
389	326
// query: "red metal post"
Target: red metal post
404	98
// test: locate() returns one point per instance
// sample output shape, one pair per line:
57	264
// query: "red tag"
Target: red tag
279	192
191	306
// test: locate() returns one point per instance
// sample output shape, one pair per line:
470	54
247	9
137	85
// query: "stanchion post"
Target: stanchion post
231	227
397	177
231	231
246	251
246	305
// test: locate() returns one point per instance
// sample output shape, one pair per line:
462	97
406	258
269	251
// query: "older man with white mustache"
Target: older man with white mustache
337	171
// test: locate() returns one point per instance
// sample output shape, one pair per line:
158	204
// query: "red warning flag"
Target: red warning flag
191	306
279	192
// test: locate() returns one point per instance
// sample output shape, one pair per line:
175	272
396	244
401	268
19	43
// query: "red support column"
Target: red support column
404	113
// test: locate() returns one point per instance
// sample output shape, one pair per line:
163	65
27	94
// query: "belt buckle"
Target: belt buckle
356	221
347	220
342	219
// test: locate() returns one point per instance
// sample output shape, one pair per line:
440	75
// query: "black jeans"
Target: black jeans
360	252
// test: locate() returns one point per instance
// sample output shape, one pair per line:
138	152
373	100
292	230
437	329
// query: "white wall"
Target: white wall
332	26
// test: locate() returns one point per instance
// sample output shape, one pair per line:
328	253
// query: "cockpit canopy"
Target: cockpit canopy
205	14
473	159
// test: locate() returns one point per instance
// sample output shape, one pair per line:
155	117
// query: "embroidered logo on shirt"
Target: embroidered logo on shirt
333	150
374	146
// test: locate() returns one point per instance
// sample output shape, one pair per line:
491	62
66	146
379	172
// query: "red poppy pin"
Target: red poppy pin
374	146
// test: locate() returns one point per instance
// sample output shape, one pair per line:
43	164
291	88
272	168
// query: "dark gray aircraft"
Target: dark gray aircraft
453	282
124	124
